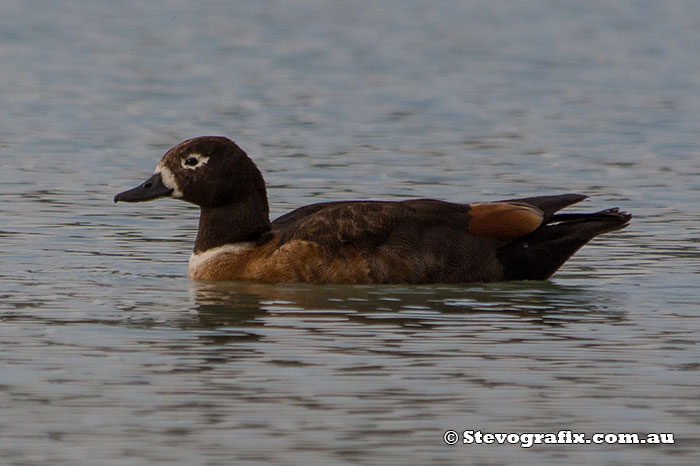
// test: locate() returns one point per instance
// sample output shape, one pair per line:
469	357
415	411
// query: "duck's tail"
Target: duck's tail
538	255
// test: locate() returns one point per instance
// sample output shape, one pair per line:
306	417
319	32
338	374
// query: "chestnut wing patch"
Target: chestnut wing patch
504	221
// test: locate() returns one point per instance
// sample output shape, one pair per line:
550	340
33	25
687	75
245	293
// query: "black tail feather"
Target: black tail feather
538	255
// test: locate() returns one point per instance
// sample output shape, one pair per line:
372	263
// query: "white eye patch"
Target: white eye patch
193	161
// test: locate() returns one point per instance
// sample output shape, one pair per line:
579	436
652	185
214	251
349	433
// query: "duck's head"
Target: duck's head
208	171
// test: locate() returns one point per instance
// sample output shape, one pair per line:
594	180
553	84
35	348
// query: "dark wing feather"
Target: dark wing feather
368	224
550	204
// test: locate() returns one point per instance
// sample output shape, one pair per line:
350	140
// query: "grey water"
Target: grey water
109	355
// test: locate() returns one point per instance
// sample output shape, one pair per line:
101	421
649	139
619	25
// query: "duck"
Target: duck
416	241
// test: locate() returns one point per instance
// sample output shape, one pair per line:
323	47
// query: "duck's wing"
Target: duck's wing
372	223
549	205
511	219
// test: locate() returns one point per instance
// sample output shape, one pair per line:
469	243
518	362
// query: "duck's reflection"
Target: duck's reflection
250	304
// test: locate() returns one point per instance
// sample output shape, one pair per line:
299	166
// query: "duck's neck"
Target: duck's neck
233	223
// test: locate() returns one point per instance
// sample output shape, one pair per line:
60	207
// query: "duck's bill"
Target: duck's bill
152	188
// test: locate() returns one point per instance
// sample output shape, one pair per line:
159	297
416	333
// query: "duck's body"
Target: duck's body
415	241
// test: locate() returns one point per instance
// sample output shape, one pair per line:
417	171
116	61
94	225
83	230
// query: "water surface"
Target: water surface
111	356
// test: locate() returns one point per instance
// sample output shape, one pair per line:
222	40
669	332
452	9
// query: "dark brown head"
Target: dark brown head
208	171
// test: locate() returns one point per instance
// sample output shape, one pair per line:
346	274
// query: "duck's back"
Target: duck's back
416	241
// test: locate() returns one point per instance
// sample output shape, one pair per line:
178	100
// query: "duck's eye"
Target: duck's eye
194	161
191	161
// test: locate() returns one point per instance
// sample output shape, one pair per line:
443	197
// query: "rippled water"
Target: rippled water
111	356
